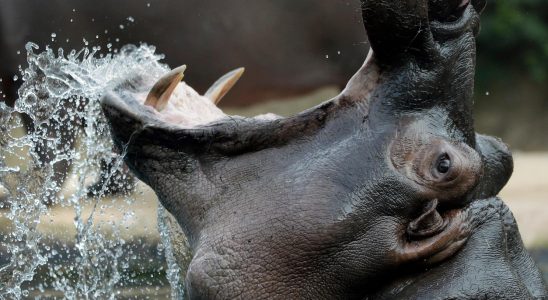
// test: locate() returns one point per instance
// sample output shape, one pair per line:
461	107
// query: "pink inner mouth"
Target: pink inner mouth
178	104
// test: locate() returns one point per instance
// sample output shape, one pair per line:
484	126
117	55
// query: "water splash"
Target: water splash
59	98
173	269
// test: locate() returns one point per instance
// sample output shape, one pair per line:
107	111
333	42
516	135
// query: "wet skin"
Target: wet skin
383	192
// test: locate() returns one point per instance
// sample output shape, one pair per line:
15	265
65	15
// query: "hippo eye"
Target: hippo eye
444	164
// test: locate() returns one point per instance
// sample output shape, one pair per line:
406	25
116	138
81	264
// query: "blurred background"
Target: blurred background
297	54
512	76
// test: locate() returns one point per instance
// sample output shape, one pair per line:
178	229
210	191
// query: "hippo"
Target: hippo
383	192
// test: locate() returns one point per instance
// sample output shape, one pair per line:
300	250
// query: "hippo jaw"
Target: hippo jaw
332	202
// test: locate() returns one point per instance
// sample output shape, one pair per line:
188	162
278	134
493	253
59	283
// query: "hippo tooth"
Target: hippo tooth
219	89
161	91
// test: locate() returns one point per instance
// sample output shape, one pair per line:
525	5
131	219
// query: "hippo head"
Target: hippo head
384	191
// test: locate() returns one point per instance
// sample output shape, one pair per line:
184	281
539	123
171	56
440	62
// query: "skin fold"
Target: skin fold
383	192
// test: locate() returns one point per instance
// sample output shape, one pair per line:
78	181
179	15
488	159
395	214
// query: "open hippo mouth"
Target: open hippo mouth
173	103
343	200
450	20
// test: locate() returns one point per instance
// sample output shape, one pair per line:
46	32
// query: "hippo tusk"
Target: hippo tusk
160	93
219	89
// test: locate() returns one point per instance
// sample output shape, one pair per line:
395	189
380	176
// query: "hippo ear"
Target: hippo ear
397	28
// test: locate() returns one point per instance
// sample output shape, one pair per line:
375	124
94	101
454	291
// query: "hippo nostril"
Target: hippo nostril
447	11
479	5
428	224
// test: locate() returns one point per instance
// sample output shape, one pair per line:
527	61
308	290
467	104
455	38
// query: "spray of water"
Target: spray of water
60	97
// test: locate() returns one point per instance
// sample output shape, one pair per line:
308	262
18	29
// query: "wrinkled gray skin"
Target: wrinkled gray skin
383	192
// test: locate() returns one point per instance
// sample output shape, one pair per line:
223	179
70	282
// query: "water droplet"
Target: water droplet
131	19
339	52
71	20
327	56
122	26
487	93
18	52
80	79
15	78
148	4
